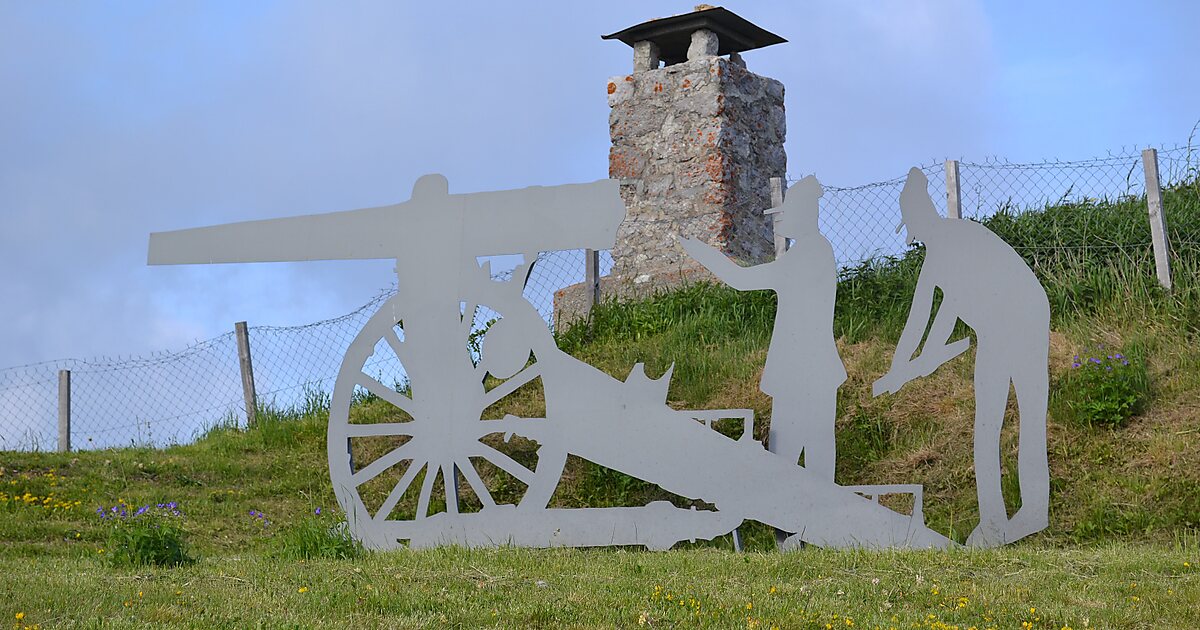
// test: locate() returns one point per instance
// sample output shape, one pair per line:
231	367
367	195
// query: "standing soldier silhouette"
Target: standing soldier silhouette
987	285
803	369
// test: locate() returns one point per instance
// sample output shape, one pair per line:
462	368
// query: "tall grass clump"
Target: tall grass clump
1096	255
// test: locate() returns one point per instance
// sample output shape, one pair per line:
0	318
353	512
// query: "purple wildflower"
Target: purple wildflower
317	511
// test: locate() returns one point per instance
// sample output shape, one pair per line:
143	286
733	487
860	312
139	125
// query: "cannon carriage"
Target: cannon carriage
438	428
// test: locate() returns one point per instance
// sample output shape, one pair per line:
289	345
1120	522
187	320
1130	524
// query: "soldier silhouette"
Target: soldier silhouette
990	288
803	369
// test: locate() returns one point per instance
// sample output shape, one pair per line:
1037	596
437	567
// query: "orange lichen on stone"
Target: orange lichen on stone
657	87
715	166
621	165
629	77
687	83
612	87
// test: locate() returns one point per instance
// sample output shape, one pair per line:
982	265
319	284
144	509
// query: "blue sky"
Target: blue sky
119	119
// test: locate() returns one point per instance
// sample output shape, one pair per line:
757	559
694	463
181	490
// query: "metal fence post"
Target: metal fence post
776	201
64	411
781	246
1158	222
953	191
591	277
247	369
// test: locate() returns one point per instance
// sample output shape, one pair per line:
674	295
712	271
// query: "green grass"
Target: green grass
1114	586
1125	499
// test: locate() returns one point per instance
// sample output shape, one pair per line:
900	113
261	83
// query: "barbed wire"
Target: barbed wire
174	396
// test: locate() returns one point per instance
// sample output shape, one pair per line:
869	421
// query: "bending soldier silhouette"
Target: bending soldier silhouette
990	288
803	369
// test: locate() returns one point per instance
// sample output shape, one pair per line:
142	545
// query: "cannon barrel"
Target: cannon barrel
538	218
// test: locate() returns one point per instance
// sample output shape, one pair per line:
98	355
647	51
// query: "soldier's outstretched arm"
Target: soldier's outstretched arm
731	273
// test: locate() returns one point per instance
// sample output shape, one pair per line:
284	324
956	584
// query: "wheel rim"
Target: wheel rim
431	447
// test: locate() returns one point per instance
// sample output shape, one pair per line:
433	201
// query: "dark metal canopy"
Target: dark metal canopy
673	34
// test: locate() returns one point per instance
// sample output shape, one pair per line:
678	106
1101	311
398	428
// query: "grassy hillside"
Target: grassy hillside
1135	481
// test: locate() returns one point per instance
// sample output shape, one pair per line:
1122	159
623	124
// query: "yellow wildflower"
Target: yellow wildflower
302	589
20	616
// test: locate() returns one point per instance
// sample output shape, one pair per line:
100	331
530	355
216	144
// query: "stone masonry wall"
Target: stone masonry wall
694	145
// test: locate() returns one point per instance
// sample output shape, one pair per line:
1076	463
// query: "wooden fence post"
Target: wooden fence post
776	201
953	191
247	369
591	278
1158	222
64	411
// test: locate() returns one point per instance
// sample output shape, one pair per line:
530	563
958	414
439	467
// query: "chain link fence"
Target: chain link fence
175	397
860	222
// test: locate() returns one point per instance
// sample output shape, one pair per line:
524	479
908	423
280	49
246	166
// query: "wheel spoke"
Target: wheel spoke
379	429
468	319
449	479
397	346
372	470
393	497
472	476
398	400
426	491
511	385
506	463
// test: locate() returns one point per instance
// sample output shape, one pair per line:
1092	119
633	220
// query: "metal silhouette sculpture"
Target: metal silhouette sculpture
988	286
437	427
803	369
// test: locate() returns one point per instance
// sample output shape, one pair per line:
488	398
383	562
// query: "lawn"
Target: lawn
1110	586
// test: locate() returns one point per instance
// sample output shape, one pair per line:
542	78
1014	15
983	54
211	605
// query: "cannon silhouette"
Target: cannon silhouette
437	429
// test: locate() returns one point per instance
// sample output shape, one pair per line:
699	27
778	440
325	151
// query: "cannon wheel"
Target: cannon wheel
374	529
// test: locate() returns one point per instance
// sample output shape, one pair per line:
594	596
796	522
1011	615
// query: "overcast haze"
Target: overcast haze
119	119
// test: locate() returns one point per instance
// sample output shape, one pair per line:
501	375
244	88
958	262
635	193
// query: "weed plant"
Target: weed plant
149	536
318	535
1104	388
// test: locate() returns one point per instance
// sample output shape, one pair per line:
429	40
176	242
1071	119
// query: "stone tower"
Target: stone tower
694	143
